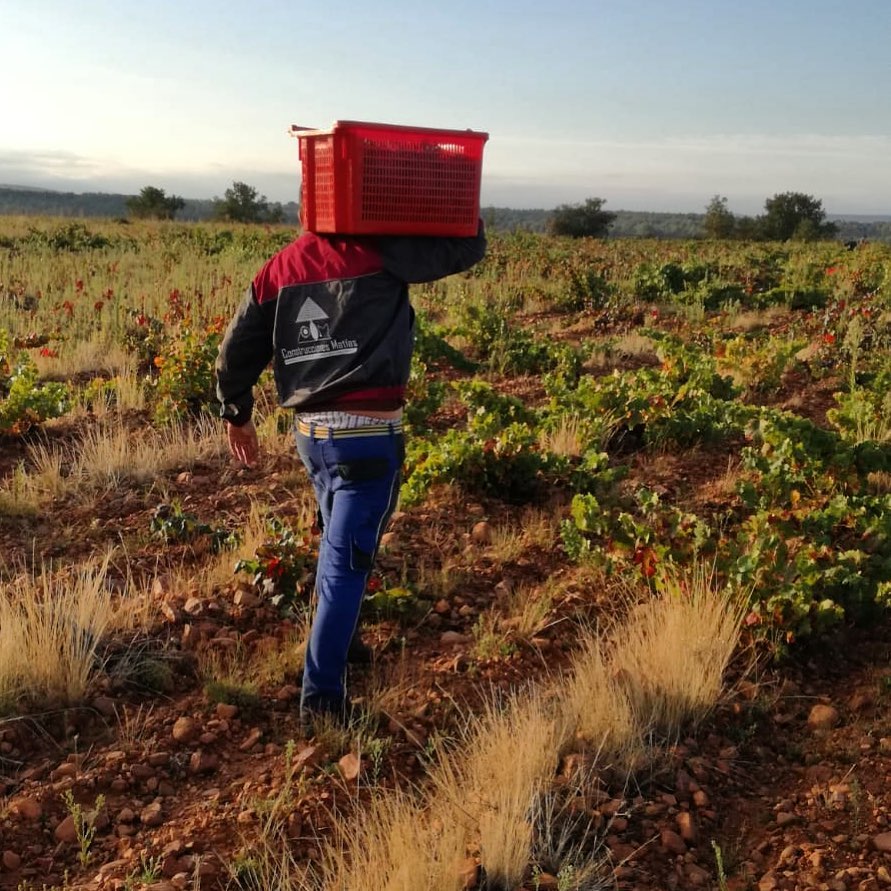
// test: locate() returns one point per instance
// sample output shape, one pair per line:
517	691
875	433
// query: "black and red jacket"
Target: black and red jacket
333	314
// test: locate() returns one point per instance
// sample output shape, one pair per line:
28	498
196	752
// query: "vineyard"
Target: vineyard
628	624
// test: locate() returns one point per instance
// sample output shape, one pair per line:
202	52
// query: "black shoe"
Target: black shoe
359	653
320	711
319	716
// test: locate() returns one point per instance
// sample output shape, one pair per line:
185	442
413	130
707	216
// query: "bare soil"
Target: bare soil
756	797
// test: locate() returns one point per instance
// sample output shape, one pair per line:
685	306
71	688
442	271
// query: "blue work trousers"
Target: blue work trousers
356	479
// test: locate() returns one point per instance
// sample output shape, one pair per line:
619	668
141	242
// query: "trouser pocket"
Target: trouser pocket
363	470
371	486
361	559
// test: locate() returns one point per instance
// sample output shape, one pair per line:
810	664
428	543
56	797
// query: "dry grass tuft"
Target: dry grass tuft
634	344
274	427
672	652
874	427
94	355
237	674
129	388
511	757
19	497
126	392
490	639
612	352
110	455
495	797
755	320
134	723
657	672
600	713
400	850
573	435
564	439
441	579
511	541
390	684
879	482
525	609
51	627
568	842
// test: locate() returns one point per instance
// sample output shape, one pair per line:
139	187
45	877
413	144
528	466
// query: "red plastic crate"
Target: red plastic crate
381	179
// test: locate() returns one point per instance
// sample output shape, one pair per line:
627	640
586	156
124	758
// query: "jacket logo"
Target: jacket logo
312	321
314	339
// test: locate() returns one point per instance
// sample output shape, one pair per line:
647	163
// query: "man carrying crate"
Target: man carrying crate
333	314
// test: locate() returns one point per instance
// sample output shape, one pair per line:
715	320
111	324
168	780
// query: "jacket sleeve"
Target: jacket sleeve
244	352
416	259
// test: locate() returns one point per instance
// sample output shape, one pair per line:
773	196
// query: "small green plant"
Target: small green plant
24	401
144	337
489	641
586	288
387	602
431	345
437	745
69	238
719	866
503	346
148	872
855	796
246	872
273	812
536	877
566	878
759	365
236	675
424	396
508	465
84	823
376	748
145	666
282	565
244	695
185	382
171	523
488	411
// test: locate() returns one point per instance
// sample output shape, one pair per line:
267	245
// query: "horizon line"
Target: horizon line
879	217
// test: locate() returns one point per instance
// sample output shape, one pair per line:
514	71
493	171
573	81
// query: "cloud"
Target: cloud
68	171
849	174
46	163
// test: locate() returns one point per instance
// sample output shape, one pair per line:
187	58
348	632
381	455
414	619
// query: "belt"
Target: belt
316	431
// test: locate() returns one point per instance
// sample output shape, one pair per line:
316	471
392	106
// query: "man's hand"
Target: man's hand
243	443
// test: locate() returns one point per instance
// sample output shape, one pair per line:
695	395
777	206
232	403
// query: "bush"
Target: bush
581	220
185	384
24	401
507	466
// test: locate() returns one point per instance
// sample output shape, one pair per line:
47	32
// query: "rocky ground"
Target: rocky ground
785	786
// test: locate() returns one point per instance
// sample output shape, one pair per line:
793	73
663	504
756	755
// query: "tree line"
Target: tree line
241	203
789	215
151	202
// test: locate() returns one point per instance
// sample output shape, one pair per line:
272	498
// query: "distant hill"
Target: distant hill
646	224
22	188
628	223
862	218
27	200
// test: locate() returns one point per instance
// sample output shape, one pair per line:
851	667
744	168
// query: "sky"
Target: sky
648	104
